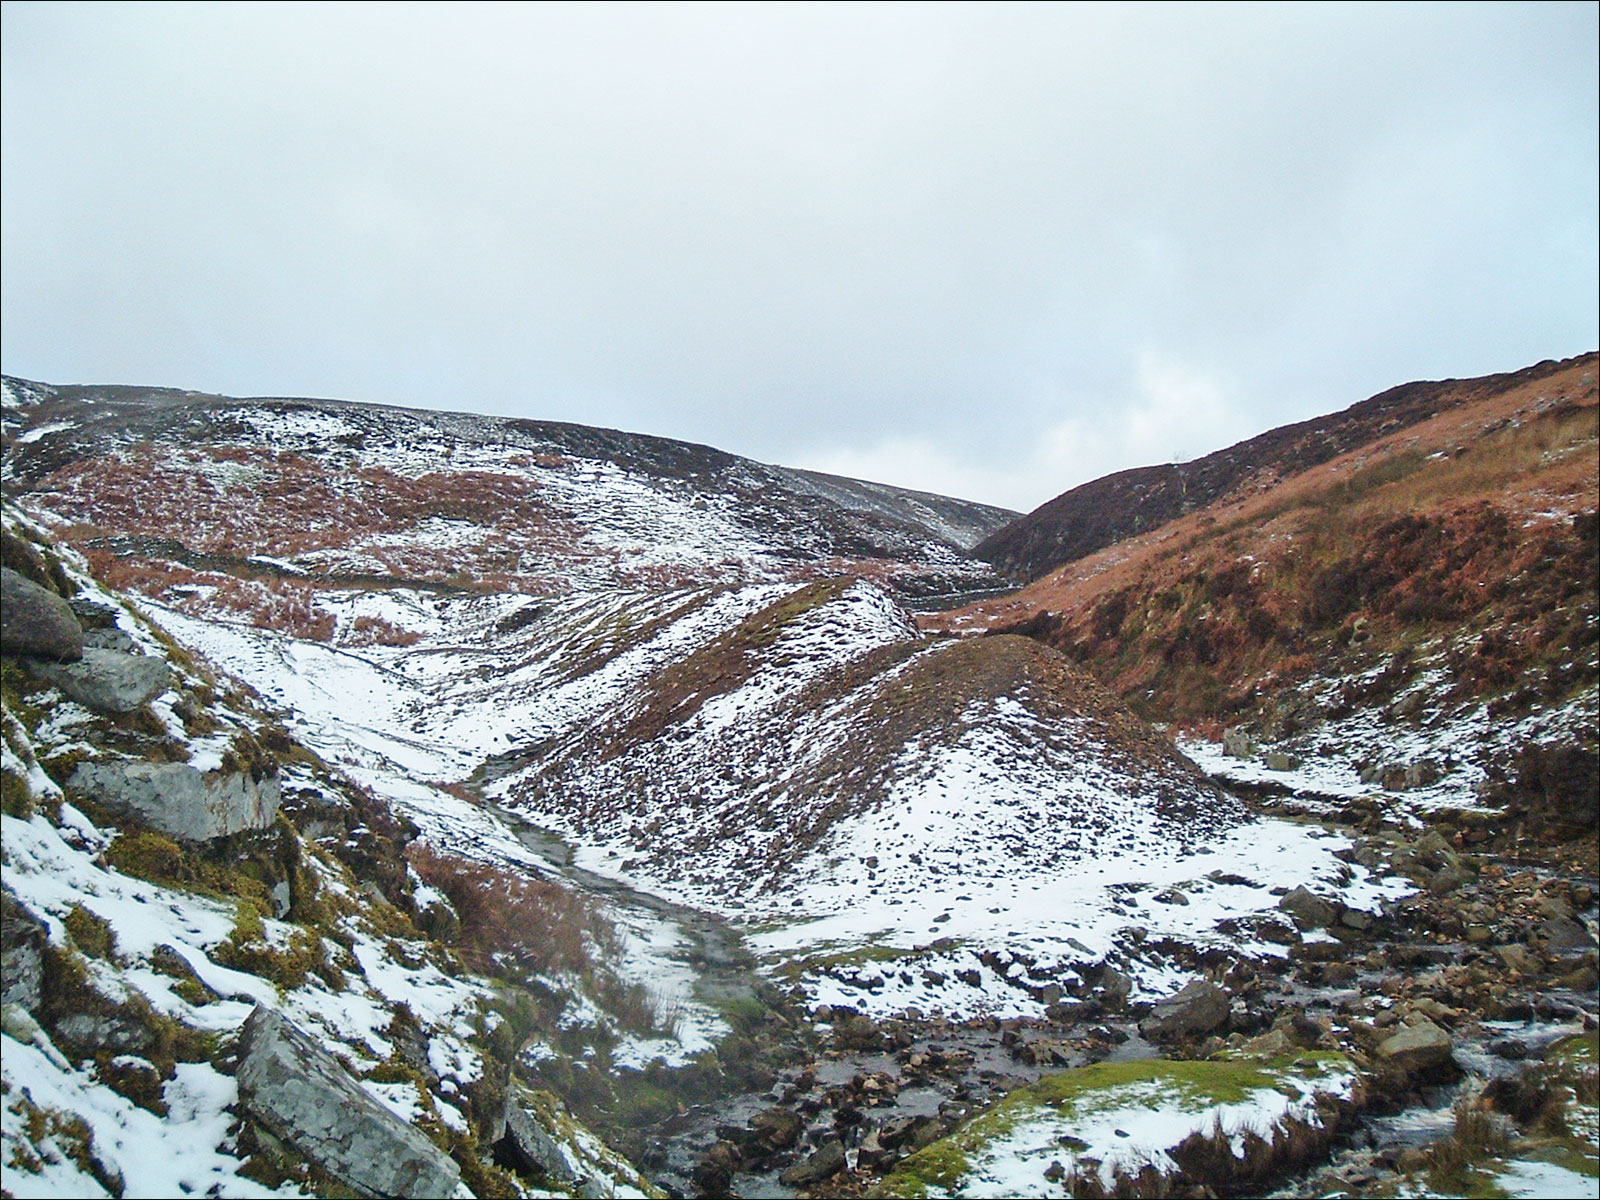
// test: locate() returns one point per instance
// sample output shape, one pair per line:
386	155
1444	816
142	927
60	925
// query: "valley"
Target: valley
685	815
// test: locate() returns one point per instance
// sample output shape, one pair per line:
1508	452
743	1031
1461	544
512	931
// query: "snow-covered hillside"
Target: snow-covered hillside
882	812
242	500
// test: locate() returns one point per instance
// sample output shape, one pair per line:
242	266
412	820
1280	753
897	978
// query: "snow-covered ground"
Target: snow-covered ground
1114	1120
1352	757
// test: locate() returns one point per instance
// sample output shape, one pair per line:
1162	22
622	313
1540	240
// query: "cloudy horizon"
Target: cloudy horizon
990	251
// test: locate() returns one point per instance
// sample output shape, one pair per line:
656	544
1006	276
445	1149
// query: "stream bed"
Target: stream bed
835	1097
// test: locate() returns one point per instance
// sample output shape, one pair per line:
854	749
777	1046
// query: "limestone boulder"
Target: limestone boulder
1198	1008
534	1146
1419	1047
34	620
107	681
179	800
303	1096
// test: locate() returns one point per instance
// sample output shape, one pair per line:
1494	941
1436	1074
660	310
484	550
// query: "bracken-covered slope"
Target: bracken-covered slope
1415	618
259	502
1104	511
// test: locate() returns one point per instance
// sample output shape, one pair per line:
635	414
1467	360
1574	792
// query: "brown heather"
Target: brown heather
1478	524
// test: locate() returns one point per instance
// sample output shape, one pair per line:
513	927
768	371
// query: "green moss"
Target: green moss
247	924
641	1101
288	967
941	1165
139	1082
15	683
61	1136
1577	1052
192	992
485	1180
60	766
146	855
151	856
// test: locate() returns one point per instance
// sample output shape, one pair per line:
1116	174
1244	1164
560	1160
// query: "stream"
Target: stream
931	1074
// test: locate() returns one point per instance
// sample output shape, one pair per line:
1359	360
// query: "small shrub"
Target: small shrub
146	855
133	1079
508	919
90	933
16	798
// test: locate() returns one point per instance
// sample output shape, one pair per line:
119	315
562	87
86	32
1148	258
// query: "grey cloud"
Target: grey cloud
811	234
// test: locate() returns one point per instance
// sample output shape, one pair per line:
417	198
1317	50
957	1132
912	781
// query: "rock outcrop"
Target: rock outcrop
179	800
36	620
23	936
107	681
302	1095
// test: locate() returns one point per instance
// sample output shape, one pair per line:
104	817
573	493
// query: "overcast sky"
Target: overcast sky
990	251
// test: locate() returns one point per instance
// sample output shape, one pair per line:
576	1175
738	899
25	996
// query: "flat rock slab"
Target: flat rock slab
107	681
179	800
34	620
304	1096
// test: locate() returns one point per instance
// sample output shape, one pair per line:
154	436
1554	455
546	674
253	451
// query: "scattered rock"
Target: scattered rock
1408	705
110	639
304	1096
1116	987
178	800
1237	743
1519	958
1420	774
1417	1048
107	681
856	1032
1310	909
93	615
1198	1008
825	1162
37	621
776	1129
1276	760
1566	938
1355	918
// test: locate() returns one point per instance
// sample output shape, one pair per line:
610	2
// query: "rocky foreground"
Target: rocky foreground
1458	1031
